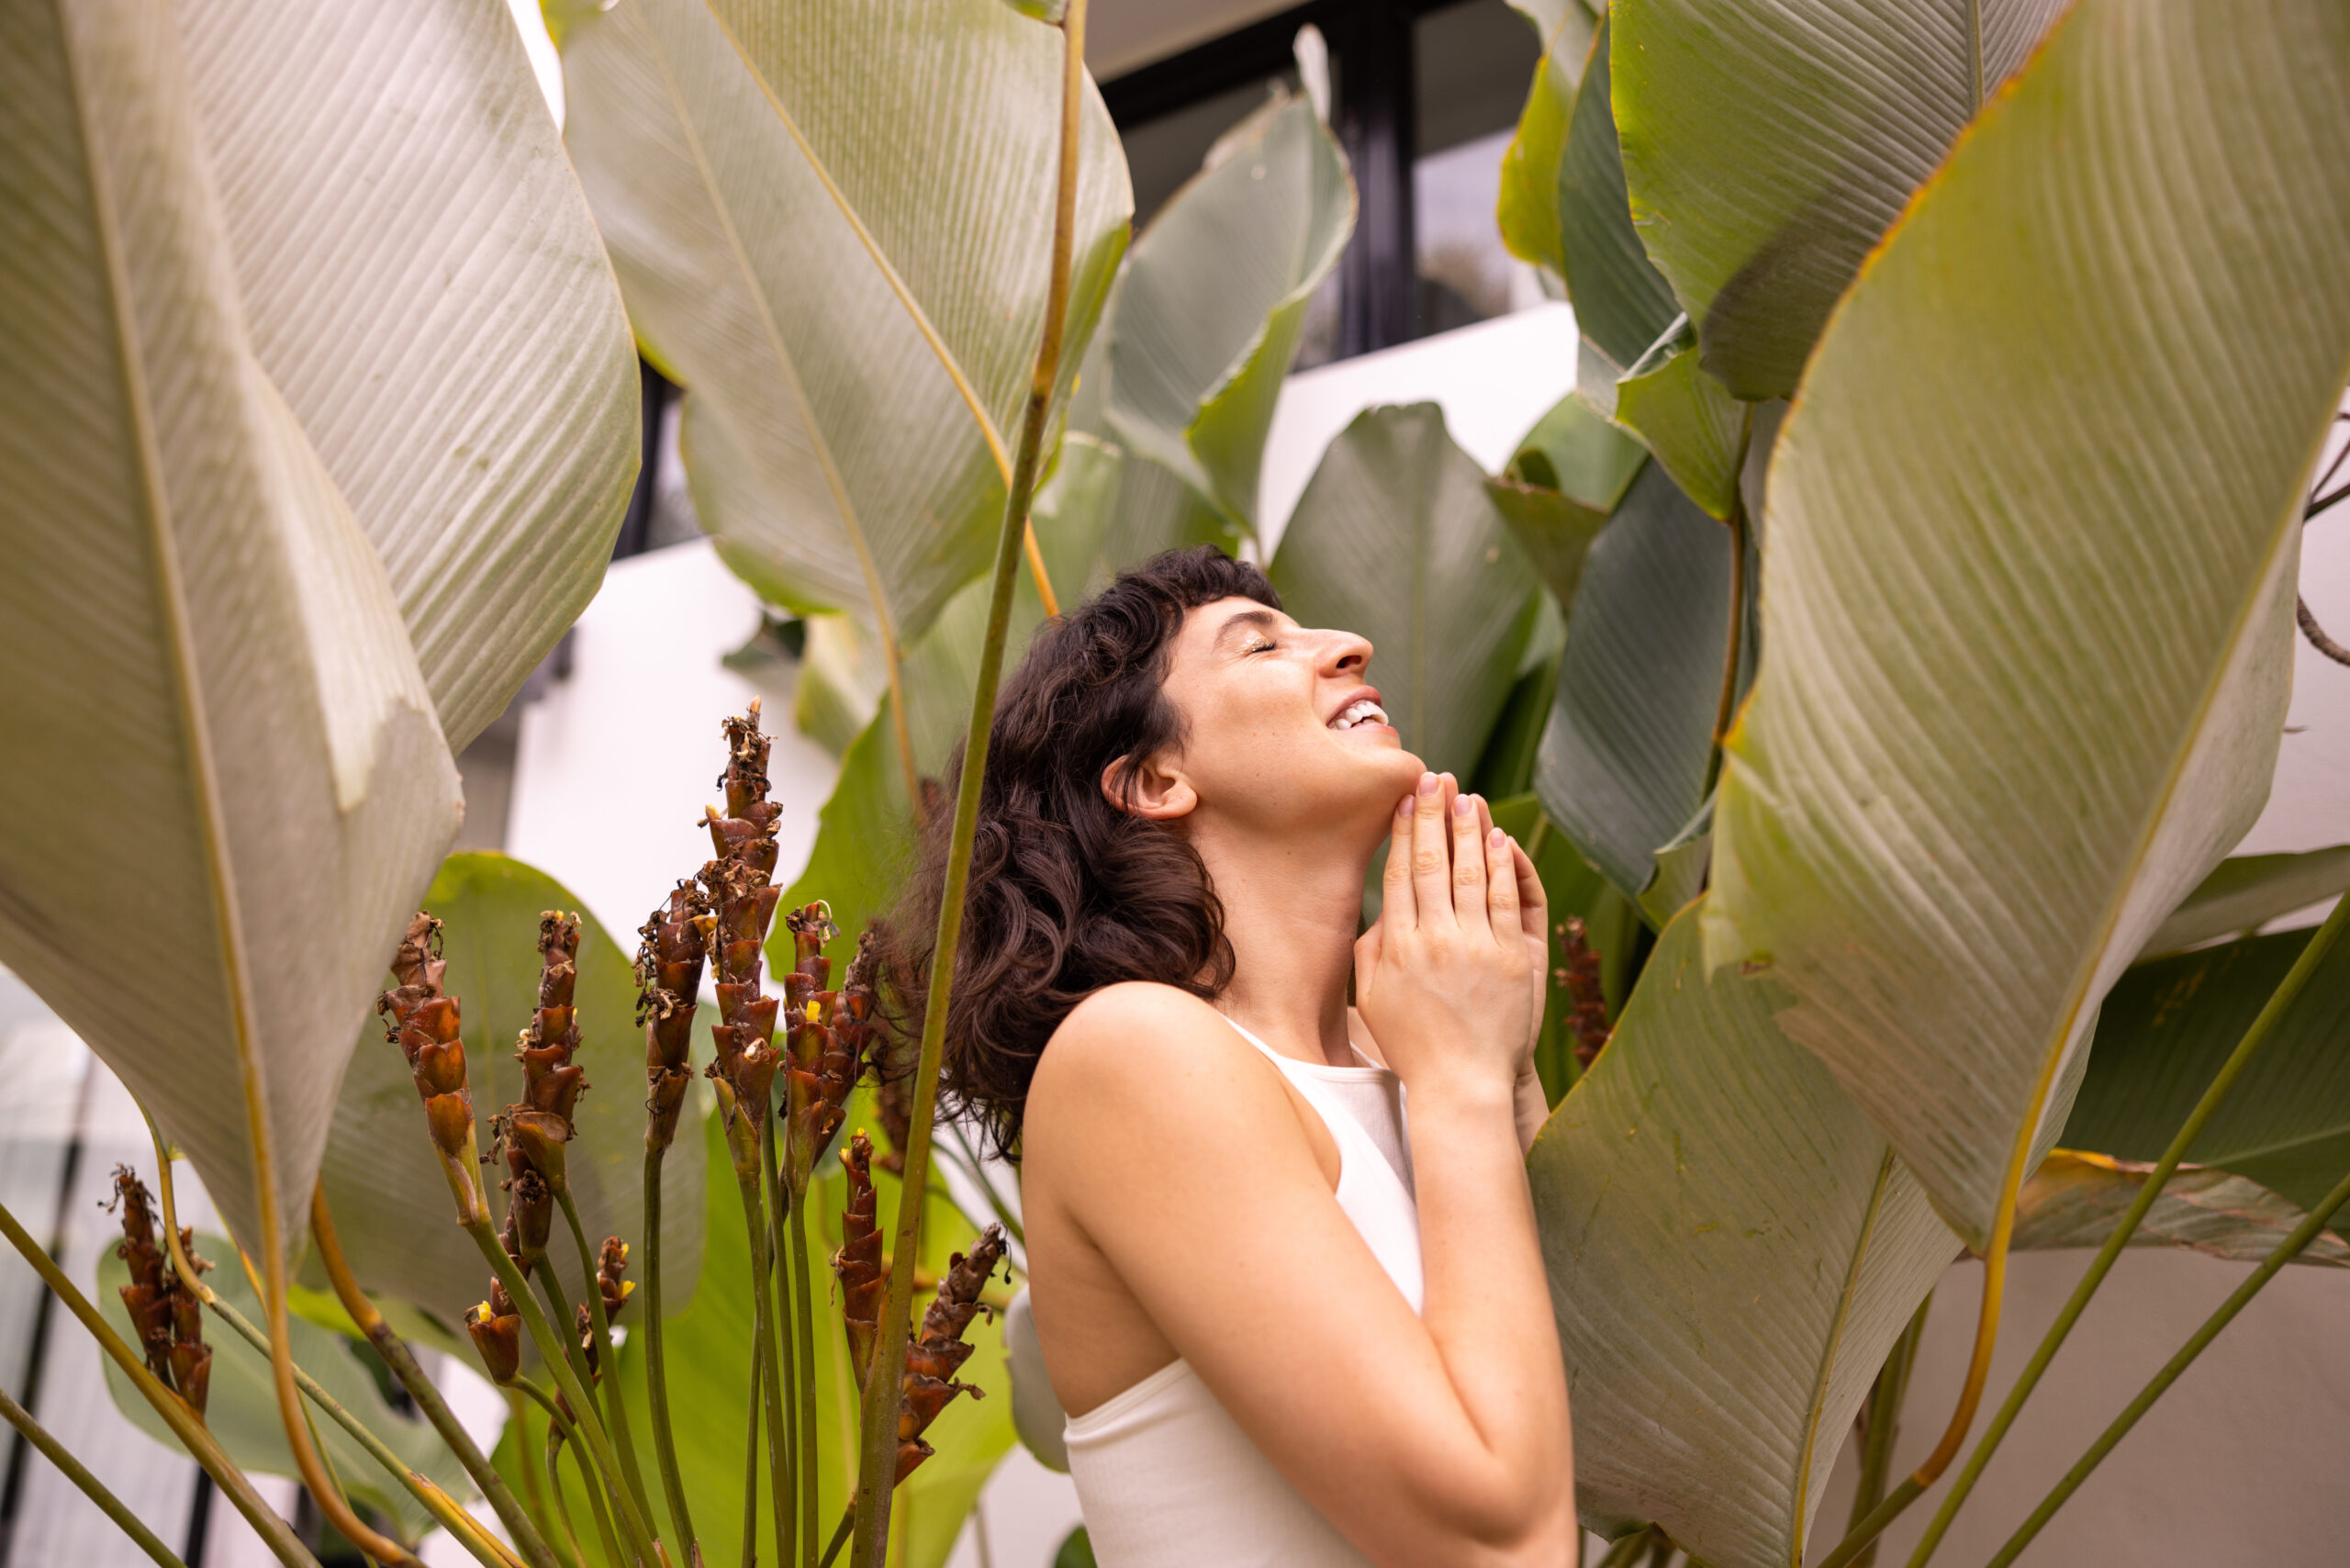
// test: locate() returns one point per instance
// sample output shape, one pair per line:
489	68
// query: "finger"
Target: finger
1533	899
1396	900
1484	815
1501	888
1430	880
1469	878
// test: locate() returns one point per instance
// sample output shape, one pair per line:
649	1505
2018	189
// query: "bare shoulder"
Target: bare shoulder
1135	1045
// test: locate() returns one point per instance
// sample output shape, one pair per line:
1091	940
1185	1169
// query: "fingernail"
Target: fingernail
1497	839
1428	783
1462	805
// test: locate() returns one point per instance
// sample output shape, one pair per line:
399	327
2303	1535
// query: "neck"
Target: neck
1290	911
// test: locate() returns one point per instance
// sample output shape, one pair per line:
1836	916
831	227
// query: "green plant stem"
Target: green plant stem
750	1553
628	1504
1883	1408
795	1438
552	1348
807	1316
2283	1253
92	1487
2223	1083
186	1424
615	1408
1727	703
587	1484
657	1367
840	1537
878	1428
779	1485
434	1501
562	1502
397	1355
342	1494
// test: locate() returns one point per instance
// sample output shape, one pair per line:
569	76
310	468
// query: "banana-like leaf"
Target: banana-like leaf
2074	1201
391	1206
2029	601
824	219
2166	1028
1527	210
423	282
1397	539
1767	148
226	780
1623	765
2246	891
1212	299
1733	1251
1622	302
242	1407
1679	868
708	1354
1567	474
1692	424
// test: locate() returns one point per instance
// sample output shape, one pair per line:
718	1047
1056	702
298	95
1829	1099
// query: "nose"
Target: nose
1345	654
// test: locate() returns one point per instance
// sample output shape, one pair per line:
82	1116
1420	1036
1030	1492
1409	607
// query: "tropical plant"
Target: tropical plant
1878	653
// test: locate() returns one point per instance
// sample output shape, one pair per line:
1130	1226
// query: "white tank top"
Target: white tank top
1166	1478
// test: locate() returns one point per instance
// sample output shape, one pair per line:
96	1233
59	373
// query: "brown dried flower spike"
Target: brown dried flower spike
166	1314
934	1359
669	977
533	1130
742	902
1580	977
422	1020
858	1262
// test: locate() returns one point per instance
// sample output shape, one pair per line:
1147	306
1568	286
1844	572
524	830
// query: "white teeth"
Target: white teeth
1360	710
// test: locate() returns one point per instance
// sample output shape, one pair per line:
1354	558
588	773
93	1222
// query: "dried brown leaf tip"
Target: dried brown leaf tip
1580	977
857	1264
423	1021
165	1314
669	962
742	906
939	1352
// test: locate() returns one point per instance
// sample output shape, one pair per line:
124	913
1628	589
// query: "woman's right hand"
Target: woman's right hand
1440	979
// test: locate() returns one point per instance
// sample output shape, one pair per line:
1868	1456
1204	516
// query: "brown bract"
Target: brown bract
669	962
165	1314
423	1021
1580	977
742	902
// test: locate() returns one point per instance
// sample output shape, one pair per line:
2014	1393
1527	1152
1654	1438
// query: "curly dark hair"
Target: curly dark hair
1069	893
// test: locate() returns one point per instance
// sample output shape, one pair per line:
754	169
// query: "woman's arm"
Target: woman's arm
1172	1154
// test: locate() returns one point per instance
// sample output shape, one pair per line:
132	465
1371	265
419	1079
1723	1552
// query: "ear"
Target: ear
1154	790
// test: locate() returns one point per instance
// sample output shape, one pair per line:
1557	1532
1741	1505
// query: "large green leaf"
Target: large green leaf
1527	210
1768	147
1733	1251
764	202
1568	474
2166	1028
1622	302
1212	299
423	282
1397	539
241	1409
2028	603
226	779
708	1355
1623	765
1690	422
2246	891
391	1205
2074	1201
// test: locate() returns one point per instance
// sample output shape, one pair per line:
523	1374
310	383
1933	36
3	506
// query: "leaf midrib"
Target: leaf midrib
171	597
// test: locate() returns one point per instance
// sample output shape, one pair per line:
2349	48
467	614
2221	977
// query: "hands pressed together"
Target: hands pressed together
1450	980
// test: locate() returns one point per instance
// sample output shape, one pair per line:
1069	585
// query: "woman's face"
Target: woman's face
1282	729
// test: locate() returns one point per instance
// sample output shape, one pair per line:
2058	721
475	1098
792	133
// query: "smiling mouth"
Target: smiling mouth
1361	711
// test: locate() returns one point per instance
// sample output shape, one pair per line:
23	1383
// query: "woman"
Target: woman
1288	1329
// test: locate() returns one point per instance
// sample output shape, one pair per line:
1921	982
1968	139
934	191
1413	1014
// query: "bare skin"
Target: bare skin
1180	1193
